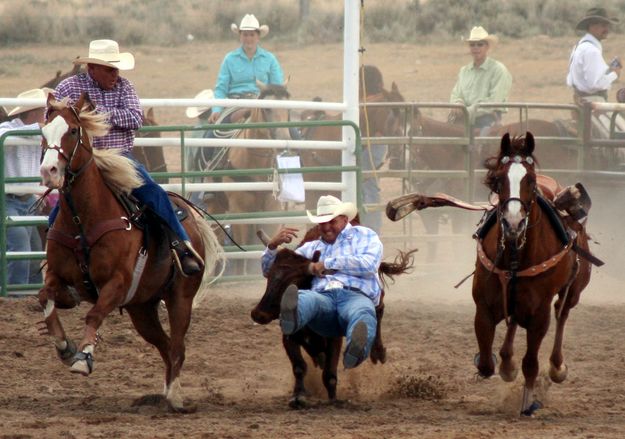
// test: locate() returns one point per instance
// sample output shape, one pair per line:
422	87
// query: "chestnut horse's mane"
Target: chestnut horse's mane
119	172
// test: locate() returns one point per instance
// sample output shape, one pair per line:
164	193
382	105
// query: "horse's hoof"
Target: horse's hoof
558	375
531	410
476	359
67	355
298	402
185	409
82	363
509	375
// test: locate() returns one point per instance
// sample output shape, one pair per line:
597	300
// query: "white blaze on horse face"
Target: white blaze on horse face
513	214
50	169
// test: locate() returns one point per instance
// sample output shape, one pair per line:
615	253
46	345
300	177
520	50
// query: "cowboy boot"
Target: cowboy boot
187	259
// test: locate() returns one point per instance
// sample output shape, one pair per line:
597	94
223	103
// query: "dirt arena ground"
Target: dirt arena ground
237	373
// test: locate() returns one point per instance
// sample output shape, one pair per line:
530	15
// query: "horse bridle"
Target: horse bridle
71	175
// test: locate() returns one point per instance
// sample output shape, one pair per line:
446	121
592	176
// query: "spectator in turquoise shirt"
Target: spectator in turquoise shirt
242	67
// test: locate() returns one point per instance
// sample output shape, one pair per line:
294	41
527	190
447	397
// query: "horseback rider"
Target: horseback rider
484	80
242	67
116	96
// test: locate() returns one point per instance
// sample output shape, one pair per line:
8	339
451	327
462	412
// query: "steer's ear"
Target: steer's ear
316	256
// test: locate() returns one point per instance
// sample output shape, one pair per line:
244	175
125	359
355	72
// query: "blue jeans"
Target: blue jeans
334	313
370	188
21	239
151	195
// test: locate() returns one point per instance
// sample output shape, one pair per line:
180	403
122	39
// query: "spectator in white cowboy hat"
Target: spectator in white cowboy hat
116	96
589	75
346	287
23	161
242	67
484	80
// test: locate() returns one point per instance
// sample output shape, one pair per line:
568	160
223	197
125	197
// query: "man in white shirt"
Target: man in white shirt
589	75
23	161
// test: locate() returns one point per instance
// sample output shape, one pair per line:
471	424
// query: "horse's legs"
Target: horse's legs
508	369
179	311
378	351
108	299
535	334
51	324
299	367
485	332
329	375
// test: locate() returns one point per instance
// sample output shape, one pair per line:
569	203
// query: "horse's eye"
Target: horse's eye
73	131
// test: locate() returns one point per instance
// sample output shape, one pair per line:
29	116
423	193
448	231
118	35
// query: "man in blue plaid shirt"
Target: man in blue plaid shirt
346	287
116	96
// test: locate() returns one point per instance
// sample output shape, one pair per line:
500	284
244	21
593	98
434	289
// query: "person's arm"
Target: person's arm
276	75
364	260
283	236
596	73
457	96
128	114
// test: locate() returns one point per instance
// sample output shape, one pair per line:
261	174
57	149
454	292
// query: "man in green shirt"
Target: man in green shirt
483	80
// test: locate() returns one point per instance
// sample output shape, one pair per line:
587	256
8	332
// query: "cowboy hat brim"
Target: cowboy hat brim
491	39
193	112
125	61
35	93
587	21
263	30
348	209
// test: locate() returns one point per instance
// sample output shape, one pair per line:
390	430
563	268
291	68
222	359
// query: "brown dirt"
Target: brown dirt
237	372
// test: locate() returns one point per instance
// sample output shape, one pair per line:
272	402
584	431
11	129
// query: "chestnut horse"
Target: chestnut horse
522	263
96	254
290	267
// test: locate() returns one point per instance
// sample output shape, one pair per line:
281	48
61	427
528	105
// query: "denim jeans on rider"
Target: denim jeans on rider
335	312
21	239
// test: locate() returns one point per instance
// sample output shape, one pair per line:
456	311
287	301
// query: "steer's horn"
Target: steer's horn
264	238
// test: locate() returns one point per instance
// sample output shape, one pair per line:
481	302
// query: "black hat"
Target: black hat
594	15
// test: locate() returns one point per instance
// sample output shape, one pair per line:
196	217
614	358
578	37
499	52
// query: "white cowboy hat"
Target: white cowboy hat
329	207
106	53
478	33
249	22
36	93
193	112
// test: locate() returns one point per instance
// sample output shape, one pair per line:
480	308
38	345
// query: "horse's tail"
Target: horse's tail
403	263
214	257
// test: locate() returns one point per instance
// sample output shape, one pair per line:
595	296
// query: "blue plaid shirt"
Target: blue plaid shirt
238	74
356	255
121	104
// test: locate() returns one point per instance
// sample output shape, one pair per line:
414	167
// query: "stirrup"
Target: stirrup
181	250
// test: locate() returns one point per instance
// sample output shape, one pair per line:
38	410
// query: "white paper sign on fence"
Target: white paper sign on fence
291	185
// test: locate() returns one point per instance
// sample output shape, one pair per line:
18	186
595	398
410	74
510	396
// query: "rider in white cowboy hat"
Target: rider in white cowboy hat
23	161
242	67
345	288
116	96
589	75
483	80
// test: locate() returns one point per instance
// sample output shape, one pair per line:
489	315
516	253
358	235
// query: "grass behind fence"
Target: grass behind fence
173	22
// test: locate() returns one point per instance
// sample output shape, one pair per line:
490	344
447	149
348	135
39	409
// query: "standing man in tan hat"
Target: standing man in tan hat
115	96
23	161
589	75
345	288
483	80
